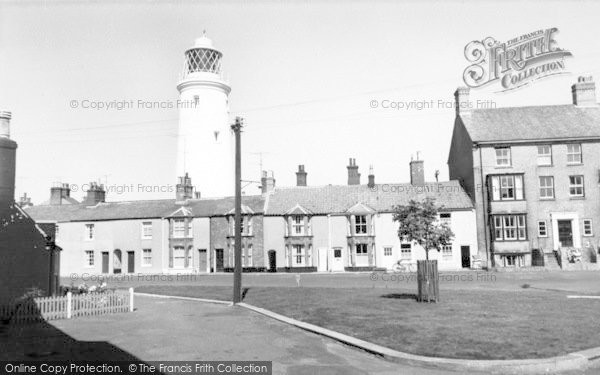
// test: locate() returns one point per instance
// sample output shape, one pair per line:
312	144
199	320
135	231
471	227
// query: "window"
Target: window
178	228
546	187
360	224
89	232
445	218
576	186
298	254
146	229
337	252
512	260
405	249
245	226
387	251
361	249
447	250
248	260
89	258
587	227
178	257
544	155
507	187
298	225
503	157
509	227
542	229
146	257
574	153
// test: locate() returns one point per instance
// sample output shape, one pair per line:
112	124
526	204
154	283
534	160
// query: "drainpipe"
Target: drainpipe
485	232
329	249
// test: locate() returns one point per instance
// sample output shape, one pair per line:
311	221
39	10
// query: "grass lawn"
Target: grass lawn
469	324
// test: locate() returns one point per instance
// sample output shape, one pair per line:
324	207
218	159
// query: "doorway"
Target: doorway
105	262
130	262
565	233
337	264
219	260
117	261
465	256
272	261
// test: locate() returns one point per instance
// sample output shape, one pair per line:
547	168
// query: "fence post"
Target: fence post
130	299
69	305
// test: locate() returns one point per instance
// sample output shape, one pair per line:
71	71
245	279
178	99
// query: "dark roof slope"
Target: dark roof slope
533	123
334	199
140	209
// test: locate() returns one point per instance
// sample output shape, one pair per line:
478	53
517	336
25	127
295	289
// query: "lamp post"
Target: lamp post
237	272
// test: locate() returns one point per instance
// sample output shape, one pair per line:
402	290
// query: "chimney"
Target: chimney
301	176
25	201
417	173
353	175
584	92
371	183
58	192
95	194
461	101
184	189
267	182
8	154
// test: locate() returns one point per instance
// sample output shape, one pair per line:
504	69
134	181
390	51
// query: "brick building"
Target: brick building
533	175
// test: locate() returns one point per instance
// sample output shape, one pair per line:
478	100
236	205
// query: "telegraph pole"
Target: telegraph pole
237	272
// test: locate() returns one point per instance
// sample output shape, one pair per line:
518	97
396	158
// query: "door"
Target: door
130	262
322	267
465	256
219	260
202	261
117	261
105	262
565	233
337	263
272	261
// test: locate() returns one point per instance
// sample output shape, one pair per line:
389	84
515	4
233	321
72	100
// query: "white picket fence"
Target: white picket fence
67	307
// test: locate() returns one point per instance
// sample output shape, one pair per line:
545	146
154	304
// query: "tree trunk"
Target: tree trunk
427	281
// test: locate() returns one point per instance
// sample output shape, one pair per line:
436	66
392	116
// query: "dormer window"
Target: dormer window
360	224
298	225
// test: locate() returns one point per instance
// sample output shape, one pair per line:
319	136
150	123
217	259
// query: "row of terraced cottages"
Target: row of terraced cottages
285	229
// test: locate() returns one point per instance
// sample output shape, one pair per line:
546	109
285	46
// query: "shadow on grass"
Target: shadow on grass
400	296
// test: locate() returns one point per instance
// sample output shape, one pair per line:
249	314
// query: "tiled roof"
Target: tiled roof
334	199
139	209
533	123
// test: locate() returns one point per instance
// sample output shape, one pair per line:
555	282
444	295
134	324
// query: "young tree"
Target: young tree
419	223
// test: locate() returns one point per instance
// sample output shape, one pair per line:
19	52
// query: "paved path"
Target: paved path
186	330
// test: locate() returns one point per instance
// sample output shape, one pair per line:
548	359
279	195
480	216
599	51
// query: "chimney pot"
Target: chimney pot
371	182
584	92
461	101
417	172
267	182
353	175
301	176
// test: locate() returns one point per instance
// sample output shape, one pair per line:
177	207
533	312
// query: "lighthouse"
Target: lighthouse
205	140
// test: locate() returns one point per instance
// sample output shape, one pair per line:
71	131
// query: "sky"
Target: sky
303	76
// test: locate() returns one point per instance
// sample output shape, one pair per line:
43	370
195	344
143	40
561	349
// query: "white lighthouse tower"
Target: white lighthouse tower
205	139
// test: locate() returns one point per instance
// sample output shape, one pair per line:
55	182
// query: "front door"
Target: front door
130	262
272	261
465	256
105	262
337	263
202	260
565	233
219	260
